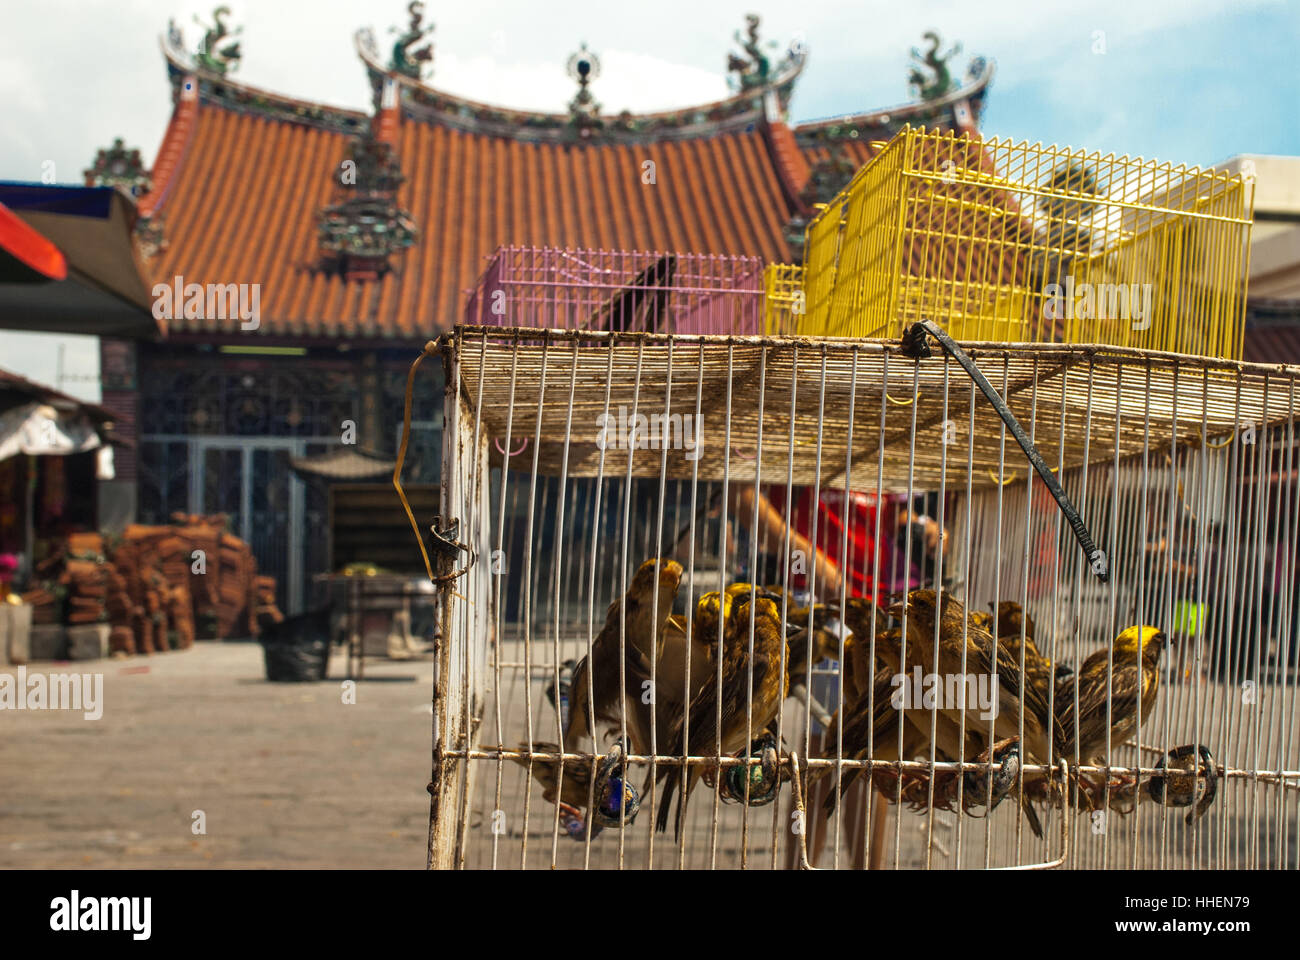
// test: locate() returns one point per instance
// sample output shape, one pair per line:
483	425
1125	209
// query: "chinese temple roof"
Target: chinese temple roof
246	184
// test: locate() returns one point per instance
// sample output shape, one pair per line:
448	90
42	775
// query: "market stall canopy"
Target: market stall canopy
39	420
90	282
37	429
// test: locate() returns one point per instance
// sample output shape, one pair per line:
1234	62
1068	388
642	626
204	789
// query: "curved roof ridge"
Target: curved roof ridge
980	76
423	102
223	91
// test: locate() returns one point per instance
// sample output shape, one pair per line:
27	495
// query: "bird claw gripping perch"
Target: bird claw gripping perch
1200	773
617	801
764	778
1006	753
915	345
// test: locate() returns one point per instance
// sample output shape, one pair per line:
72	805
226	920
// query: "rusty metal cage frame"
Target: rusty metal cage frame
1206	447
1018	242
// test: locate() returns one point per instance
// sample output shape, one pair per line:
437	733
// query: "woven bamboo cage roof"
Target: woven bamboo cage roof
763	402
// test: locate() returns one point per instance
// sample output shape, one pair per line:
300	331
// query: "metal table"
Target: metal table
356	591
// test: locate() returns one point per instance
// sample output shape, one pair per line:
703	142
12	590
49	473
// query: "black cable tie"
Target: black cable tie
916	346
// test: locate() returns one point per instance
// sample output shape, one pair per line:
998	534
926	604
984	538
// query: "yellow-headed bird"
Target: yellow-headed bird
870	729
1134	661
764	692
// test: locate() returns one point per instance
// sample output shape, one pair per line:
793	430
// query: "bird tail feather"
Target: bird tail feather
1031	817
833	795
671	778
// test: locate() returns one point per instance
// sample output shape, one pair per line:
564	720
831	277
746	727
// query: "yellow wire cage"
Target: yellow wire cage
1014	242
783	298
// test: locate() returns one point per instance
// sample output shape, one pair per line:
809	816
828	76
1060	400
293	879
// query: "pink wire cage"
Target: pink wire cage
619	290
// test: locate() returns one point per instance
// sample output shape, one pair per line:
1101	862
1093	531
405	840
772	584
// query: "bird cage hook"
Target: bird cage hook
916	346
523	445
1015	475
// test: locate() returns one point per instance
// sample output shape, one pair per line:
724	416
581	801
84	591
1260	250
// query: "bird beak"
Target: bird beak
798	636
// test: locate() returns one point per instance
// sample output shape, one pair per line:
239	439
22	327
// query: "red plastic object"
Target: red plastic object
29	247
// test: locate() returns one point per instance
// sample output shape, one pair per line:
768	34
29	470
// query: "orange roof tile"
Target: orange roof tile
240	190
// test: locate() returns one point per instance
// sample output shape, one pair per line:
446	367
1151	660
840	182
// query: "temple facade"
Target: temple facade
309	251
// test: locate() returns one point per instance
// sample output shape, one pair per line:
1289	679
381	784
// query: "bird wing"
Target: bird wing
1090	705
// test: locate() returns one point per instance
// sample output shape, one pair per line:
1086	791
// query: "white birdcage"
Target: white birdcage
1183	471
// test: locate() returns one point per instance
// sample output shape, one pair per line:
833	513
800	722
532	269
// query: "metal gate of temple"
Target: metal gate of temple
246	478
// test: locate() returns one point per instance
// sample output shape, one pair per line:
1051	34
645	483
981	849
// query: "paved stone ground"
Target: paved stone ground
287	775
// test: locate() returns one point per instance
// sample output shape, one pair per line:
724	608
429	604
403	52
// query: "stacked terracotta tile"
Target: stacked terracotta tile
204	534
235	598
120	609
225	595
86	576
140	560
45	605
155	584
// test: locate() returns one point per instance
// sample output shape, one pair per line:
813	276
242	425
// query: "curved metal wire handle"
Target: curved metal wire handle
916	346
445	538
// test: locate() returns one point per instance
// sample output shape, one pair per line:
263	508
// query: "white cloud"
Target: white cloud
628	80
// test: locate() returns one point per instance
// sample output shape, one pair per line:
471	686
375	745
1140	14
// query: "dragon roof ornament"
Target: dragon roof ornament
754	70
218	51
408	59
938	82
944	111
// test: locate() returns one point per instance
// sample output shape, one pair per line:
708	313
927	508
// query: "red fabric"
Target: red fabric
863	571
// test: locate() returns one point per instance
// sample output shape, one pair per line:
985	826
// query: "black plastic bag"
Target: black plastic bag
298	648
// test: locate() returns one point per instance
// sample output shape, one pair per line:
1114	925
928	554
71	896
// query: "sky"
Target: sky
1187	81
